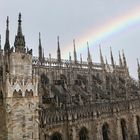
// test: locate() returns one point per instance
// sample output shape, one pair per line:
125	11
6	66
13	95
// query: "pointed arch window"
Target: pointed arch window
105	131
83	134
124	129
56	136
138	125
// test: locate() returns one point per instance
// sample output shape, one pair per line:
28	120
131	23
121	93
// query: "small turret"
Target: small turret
7	44
58	51
19	39
75	54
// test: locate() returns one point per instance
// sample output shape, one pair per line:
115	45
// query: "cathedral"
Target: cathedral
55	99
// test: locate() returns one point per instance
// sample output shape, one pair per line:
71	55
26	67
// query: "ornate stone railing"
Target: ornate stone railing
58	116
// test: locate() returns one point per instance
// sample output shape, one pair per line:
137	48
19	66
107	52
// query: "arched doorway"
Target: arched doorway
56	136
83	134
124	129
138	125
105	131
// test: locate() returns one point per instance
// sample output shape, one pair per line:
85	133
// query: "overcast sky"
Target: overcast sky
73	19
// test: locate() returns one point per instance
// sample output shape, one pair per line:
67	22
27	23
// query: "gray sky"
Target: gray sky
73	19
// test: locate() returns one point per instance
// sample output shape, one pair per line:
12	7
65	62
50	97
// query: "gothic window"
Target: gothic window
105	131
56	136
138	125
124	129
17	94
83	134
29	93
44	79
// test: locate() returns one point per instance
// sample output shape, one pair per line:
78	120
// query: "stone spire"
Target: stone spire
138	69
40	48
75	54
19	39
89	55
101	56
81	58
107	65
70	57
112	59
124	59
7	44
58	51
0	42
120	60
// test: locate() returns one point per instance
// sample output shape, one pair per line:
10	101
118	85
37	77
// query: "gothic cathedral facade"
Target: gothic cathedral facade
54	99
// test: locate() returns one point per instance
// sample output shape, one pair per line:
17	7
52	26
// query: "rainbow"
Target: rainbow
113	27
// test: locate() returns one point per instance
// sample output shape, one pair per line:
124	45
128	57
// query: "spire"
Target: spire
0	42
138	63
7	44
101	56
40	48
43	56
75	55
58	51
112	59
70	57
89	56
124	59
81	58
120	60
107	65
138	69
19	39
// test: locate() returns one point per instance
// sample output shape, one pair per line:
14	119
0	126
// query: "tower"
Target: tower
21	93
